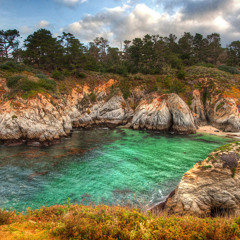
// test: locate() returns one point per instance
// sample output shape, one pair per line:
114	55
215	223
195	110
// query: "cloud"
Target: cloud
127	21
30	29
26	30
70	3
43	24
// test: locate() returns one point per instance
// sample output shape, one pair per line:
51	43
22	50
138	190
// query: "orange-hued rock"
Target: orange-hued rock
45	118
104	87
211	187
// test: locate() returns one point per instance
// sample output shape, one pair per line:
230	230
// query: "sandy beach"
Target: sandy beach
214	131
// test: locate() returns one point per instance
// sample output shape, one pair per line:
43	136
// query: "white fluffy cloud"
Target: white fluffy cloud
43	24
127	21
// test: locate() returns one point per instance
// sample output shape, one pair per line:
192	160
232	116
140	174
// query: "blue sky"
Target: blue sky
118	20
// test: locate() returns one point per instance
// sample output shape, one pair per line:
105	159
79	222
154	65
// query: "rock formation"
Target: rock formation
197	109
223	113
44	119
211	187
166	112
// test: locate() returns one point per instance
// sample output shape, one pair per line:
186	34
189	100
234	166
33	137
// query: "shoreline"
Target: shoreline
208	129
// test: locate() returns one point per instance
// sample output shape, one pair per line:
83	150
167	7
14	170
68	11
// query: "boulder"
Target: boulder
224	114
211	187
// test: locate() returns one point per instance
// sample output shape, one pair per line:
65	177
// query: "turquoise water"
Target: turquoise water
119	166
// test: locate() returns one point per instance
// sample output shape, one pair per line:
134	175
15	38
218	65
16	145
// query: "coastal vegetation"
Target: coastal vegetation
103	222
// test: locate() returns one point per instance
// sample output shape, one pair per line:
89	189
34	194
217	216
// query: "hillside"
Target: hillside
55	103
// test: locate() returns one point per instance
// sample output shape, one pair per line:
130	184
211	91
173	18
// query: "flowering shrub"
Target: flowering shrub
103	222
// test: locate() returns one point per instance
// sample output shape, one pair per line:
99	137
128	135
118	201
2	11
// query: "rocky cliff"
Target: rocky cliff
211	187
149	104
44	119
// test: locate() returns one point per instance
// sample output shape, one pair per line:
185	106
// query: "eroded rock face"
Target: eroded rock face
197	109
45	118
224	114
152	116
34	119
182	118
167	112
211	187
112	112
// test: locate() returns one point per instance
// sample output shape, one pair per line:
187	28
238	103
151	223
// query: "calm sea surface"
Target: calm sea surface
119	166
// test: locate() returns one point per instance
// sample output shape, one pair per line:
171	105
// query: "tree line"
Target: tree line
151	54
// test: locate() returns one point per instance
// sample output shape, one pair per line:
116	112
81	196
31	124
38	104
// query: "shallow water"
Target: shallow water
119	166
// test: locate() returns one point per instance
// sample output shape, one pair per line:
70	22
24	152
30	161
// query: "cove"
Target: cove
120	166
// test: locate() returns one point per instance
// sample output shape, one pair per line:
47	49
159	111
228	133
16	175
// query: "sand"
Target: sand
214	131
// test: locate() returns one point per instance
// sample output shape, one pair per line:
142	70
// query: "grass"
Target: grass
103	222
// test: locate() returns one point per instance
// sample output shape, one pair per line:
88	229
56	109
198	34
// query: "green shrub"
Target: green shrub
93	97
152	87
122	70
203	64
177	86
229	69
138	77
66	73
28	85
47	84
41	76
80	75
181	74
207	166
13	81
30	94
57	75
167	82
19	82
125	88
12	66
233	172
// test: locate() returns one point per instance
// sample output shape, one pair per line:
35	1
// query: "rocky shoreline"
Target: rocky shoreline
44	119
210	188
